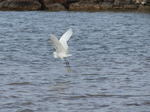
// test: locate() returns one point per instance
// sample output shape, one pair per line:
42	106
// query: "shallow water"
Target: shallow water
110	63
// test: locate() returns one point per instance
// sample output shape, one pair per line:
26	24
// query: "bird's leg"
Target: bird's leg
67	65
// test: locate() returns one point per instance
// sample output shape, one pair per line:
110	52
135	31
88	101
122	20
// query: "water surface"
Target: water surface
110	63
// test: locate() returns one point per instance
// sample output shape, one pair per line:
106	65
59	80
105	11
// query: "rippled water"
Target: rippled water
110	63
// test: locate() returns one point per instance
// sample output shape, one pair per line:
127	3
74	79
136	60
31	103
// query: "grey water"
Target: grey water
110	62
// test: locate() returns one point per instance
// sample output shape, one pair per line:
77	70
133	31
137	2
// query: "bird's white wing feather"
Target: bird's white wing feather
65	37
58	46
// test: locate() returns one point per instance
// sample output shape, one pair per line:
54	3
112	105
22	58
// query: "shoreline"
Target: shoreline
75	5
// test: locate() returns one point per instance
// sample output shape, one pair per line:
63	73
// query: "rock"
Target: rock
60	1
55	7
144	8
111	1
20	5
143	2
106	5
123	2
47	2
118	2
127	2
95	1
84	6
129	7
75	5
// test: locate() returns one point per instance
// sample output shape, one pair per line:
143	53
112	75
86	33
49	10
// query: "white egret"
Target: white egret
61	46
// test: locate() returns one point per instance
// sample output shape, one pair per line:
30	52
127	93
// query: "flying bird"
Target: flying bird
61	47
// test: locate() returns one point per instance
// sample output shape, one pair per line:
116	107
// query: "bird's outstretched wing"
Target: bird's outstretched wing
65	37
58	46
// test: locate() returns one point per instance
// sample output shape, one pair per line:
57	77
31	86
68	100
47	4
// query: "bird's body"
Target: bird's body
61	45
61	55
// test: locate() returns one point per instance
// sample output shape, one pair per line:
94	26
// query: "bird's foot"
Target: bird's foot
68	70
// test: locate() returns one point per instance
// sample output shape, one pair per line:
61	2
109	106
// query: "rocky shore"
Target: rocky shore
75	5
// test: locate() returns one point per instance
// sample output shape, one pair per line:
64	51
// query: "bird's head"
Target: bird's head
55	55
